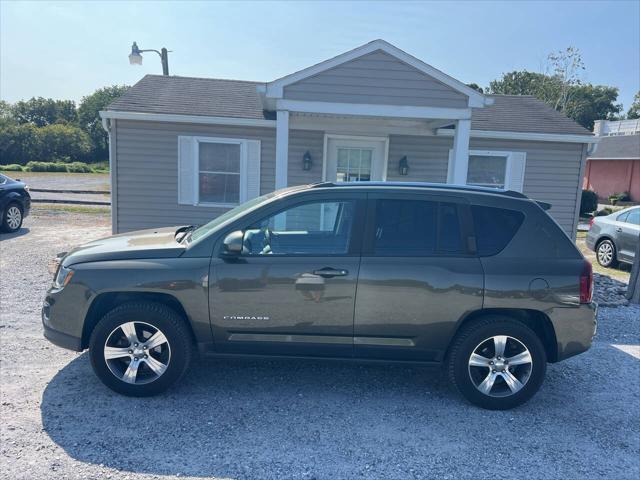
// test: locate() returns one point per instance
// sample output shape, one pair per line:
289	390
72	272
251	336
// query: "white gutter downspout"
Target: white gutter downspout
108	124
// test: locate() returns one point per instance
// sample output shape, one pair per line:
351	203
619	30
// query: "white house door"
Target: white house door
357	159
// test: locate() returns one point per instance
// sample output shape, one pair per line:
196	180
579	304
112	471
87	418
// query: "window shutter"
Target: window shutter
449	167
252	180
187	171
516	171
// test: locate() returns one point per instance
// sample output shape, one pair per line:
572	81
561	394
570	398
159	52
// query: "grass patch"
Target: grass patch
43	207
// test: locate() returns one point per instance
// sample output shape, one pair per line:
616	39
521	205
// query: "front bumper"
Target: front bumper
62	318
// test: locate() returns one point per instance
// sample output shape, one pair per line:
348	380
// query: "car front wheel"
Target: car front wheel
12	218
140	348
497	363
606	253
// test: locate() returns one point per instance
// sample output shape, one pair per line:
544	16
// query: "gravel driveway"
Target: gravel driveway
295	419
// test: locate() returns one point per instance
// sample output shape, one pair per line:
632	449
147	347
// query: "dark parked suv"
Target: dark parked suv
481	281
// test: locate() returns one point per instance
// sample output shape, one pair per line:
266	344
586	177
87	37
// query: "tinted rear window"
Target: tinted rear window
416	228
494	228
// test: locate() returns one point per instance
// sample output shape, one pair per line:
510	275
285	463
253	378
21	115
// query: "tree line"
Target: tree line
560	85
48	130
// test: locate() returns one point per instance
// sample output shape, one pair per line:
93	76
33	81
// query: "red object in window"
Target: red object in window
586	283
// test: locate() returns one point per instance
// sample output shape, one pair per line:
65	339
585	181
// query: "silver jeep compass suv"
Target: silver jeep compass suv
480	281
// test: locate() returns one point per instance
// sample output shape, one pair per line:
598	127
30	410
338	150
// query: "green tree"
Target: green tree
588	103
562	89
41	111
475	86
634	111
89	118
62	142
19	143
5	110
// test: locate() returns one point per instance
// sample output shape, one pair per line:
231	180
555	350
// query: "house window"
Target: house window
354	164
493	169
219	172
487	170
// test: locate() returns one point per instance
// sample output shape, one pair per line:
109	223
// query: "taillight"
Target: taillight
591	221
586	283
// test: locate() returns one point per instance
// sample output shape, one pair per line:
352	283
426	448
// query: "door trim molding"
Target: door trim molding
358	138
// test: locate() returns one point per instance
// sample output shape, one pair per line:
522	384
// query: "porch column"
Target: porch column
282	148
460	152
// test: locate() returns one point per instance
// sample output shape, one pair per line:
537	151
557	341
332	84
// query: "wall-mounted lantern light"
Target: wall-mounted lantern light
403	166
307	162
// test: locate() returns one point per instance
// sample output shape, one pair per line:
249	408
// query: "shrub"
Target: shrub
589	202
12	167
78	167
604	212
619	197
46	167
70	167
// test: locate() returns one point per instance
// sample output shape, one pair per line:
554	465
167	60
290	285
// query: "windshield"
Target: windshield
228	216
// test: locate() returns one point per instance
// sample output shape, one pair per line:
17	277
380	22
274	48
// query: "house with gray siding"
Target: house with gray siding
184	150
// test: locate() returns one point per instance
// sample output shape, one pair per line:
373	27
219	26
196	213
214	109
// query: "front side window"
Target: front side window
416	228
219	172
487	171
314	228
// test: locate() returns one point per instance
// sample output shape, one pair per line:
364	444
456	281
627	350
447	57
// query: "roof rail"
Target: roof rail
440	186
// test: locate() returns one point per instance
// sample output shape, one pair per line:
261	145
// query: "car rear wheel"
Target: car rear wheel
12	219
497	363
606	253
140	348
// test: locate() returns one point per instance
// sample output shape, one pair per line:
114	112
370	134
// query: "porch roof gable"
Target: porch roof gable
275	88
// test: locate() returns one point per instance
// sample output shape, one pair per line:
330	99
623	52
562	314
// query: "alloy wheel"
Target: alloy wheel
500	366
605	253
14	217
137	352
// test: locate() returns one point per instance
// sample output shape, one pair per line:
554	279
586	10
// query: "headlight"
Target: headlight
63	277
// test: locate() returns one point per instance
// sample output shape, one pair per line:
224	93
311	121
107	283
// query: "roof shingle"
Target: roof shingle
619	146
240	99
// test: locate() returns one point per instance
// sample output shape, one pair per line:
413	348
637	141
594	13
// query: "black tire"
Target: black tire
158	316
606	243
472	336
5	218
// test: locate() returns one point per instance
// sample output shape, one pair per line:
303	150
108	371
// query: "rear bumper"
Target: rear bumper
575	329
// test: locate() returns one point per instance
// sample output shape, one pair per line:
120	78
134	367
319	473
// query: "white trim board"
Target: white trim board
538	137
476	99
167	117
374	110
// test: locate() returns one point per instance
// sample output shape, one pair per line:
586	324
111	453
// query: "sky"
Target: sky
69	49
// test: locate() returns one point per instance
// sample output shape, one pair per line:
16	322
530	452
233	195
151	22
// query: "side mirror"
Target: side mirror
232	243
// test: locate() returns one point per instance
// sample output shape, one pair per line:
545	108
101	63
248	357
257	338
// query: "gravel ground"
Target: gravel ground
295	419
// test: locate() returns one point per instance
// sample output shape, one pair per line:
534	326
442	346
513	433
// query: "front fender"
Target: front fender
184	279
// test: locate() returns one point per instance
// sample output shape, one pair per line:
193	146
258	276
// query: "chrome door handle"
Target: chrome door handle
328	272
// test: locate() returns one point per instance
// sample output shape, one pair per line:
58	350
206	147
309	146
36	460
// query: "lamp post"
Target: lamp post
136	59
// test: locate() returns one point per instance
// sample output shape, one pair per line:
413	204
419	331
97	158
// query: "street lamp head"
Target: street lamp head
134	57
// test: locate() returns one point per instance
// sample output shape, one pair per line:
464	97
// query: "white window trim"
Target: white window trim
489	153
333	136
242	174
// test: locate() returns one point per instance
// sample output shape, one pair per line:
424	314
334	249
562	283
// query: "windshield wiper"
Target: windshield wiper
184	232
